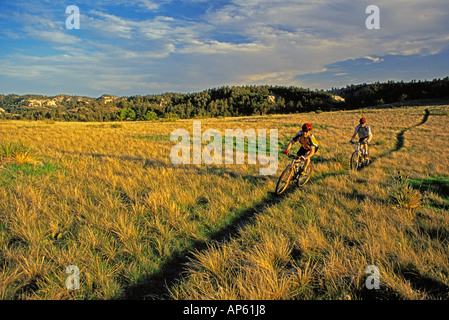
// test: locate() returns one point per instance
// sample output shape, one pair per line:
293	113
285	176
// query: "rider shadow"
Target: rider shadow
156	286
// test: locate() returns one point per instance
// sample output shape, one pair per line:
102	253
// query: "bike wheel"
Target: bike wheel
284	180
302	180
355	161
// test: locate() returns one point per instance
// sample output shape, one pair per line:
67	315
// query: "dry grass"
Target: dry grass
114	205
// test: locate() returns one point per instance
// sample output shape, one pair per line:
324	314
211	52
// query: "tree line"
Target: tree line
364	95
224	101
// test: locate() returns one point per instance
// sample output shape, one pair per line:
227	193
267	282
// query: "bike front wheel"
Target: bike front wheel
355	161
284	180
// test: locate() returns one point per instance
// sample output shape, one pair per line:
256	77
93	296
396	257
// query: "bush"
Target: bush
151	116
17	152
170	116
405	196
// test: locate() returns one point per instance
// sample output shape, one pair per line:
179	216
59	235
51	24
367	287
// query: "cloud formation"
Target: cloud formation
147	46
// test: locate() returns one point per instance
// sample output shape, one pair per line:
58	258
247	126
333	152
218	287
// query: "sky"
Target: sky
139	47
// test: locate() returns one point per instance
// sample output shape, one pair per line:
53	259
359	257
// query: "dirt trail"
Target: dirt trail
400	139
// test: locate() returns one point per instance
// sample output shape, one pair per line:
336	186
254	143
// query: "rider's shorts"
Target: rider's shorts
302	151
362	139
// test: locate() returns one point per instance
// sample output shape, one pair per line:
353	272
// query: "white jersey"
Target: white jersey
363	132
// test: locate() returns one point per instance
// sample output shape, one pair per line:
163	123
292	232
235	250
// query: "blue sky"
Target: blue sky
153	46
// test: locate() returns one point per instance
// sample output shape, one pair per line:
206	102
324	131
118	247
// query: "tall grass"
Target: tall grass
119	210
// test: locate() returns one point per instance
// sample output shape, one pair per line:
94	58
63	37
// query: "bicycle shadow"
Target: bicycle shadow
156	286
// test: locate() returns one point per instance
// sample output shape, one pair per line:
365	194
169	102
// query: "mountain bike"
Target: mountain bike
359	158
291	173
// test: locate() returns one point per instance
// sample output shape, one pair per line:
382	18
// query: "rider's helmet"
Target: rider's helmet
306	127
363	120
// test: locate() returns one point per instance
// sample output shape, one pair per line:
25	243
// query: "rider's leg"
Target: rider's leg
306	164
303	152
364	147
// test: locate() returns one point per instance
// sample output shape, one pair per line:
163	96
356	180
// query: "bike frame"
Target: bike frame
295	162
358	147
293	167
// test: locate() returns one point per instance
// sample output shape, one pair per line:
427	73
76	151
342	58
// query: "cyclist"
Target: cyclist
309	146
364	132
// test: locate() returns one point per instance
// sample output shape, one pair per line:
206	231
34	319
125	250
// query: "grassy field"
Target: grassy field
106	198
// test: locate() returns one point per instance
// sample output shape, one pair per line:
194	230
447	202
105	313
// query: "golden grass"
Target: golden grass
118	209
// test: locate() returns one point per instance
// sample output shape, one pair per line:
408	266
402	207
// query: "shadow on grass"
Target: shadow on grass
433	288
156	286
383	293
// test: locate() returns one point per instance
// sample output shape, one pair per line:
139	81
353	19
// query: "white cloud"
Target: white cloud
52	36
374	59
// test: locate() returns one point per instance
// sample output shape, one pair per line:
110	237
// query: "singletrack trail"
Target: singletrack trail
156	286
400	139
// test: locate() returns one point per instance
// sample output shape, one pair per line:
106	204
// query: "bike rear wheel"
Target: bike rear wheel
355	161
366	163
284	180
302	180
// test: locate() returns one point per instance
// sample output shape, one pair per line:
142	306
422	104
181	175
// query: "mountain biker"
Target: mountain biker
309	146
365	135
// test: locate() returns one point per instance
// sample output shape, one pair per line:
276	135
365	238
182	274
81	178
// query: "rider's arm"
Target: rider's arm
355	132
290	145
370	135
294	139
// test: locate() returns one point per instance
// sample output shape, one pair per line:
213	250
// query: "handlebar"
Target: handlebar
295	157
291	155
357	142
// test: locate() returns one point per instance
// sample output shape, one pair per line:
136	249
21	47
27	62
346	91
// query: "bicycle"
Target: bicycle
358	158
291	172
